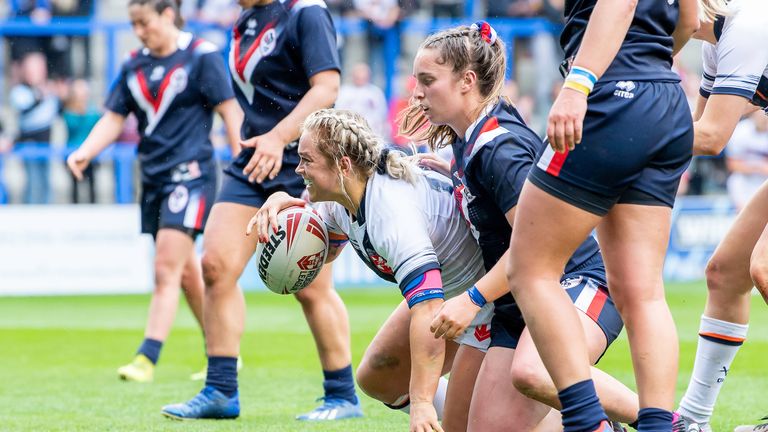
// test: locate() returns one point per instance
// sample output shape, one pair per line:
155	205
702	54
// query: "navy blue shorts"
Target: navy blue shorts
587	289
183	206
637	142
237	189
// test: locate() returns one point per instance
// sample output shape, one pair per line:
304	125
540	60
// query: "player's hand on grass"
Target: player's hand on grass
435	163
424	417
566	119
267	159
453	317
266	217
77	162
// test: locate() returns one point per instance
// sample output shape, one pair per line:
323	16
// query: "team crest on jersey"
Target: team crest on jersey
268	42
178	199
157	73
179	80
381	264
624	89
571	282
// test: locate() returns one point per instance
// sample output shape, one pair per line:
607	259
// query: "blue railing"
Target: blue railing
124	155
507	28
121	154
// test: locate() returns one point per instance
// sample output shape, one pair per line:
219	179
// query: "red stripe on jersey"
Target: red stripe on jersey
163	85
241	63
597	304
490	125
145	87
556	164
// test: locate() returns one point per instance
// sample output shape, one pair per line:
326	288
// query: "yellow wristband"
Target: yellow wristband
577	86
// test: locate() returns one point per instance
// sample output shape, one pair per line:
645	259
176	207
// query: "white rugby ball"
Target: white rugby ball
293	256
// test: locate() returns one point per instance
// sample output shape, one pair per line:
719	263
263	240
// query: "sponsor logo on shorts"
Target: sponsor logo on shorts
624	89
178	199
571	282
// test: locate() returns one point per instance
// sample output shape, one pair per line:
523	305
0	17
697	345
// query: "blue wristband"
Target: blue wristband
476	296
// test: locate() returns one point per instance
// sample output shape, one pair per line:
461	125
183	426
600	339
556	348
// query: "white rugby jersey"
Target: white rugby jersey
738	63
403	230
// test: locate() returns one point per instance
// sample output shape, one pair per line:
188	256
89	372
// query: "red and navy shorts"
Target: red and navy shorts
236	188
637	141
183	206
586	288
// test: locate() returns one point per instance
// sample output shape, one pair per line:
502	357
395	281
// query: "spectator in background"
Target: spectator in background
5	146
524	104
37	105
747	158
366	99
220	15
398	105
381	16
80	116
542	46
447	9
39	13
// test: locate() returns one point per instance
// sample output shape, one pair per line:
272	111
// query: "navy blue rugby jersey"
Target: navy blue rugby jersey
489	168
173	99
645	54
274	51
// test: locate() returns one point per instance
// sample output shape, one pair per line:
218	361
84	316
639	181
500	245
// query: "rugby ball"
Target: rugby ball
293	256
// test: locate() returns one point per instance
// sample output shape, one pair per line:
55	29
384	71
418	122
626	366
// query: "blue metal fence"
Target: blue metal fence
124	155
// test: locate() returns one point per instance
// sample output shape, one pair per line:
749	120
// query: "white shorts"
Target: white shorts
478	334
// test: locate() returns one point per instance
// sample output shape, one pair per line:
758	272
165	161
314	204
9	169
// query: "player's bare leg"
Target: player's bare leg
172	247
385	370
464	372
531	378
738	259
226	251
634	239
327	318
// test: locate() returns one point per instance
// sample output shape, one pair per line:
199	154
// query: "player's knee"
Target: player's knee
715	274
214	268
167	272
529	379
758	270
371	371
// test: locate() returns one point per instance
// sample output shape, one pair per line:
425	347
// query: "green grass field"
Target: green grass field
59	355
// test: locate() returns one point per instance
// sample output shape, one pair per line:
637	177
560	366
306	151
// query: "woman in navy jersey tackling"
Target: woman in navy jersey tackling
173	85
620	136
284	65
457	100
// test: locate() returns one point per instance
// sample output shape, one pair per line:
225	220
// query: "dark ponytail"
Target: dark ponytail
161	5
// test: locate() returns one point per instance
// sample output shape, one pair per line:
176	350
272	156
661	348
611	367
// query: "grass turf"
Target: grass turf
57	371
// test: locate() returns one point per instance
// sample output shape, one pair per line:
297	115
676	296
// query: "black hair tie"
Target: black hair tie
381	165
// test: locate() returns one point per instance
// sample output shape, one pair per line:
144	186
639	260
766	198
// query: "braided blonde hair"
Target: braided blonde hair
344	133
710	9
464	49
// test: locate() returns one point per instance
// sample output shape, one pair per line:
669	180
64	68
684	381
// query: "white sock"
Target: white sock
438	401
719	341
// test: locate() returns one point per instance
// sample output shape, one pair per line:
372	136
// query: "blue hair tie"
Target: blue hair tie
487	33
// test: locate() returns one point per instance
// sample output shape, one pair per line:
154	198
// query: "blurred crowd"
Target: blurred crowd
48	88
